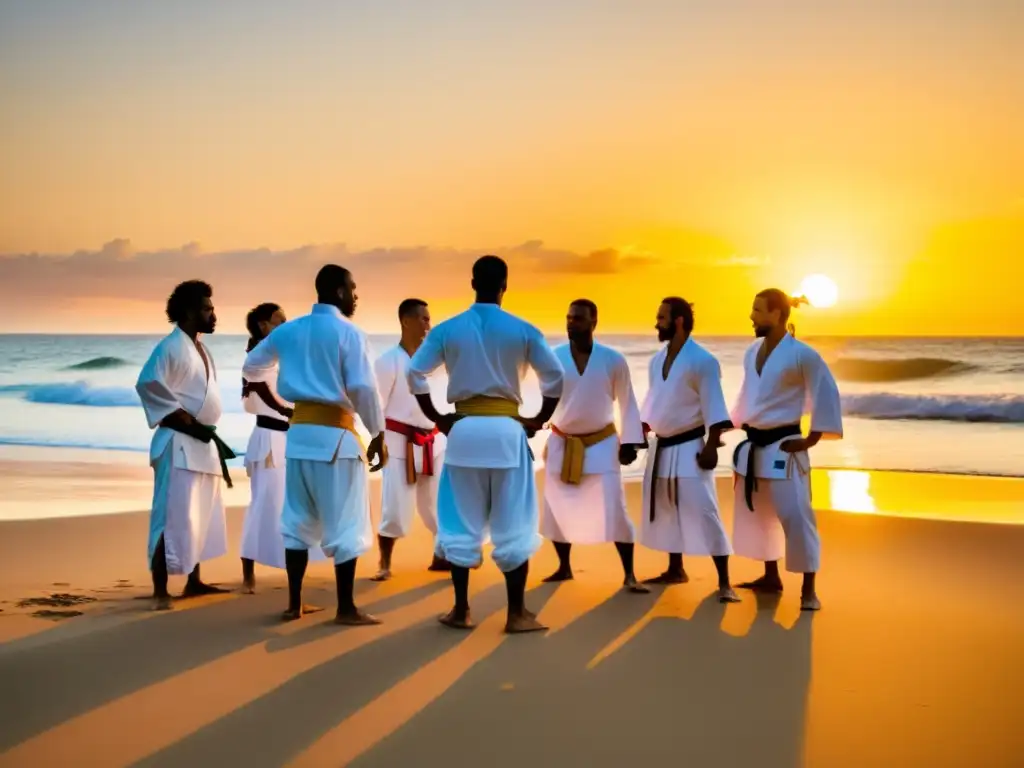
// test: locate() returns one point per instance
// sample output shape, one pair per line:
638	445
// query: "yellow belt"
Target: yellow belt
576	448
487	406
326	415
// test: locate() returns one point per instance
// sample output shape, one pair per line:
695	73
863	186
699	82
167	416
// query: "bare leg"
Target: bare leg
519	619
348	614
564	572
808	597
770	583
386	544
161	597
248	576
726	594
675	574
295	561
625	550
458	617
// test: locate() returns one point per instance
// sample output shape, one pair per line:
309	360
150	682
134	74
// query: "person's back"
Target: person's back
487	483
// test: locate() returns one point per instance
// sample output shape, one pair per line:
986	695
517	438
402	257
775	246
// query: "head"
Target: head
414	317
581	320
261	320
770	311
190	307
335	286
490	279
675	318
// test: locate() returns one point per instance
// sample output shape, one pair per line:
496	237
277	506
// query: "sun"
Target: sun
819	290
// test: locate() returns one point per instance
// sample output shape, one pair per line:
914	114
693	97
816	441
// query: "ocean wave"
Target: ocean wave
98	364
85	394
896	369
997	409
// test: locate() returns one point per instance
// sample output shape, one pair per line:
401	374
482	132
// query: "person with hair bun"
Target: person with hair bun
772	514
262	540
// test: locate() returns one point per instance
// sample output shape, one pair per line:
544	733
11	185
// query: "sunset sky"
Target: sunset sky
618	150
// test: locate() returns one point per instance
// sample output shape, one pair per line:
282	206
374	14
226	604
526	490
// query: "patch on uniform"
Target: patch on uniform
780	464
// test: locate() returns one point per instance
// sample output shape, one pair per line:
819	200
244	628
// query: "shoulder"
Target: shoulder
531	331
806	353
702	356
752	350
613	356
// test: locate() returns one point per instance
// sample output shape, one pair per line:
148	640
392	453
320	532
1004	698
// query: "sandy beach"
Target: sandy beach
915	659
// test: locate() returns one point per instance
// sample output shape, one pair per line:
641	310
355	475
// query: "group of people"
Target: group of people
469	472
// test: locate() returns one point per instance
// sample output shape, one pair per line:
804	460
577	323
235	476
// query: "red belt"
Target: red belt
415	436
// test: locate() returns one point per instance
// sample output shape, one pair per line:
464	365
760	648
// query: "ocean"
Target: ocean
927	405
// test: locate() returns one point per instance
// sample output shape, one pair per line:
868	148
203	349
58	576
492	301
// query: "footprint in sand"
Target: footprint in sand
56	615
56	600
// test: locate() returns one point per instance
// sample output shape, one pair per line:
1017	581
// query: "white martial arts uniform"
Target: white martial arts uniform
323	359
594	511
188	506
399	498
487	482
783	522
262	540
686	517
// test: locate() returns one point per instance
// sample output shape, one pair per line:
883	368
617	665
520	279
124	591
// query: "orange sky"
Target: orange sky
703	149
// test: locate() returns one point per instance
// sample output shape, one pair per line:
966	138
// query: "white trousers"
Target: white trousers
262	540
474	503
400	501
327	504
188	511
782	524
593	512
690	524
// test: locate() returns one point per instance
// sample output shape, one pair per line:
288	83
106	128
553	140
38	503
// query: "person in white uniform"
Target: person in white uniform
584	501
408	484
181	399
262	541
325	370
487	482
772	515
685	413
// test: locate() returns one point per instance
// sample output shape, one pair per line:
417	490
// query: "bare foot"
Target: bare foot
727	595
632	585
382	575
292	614
523	622
199	588
162	603
439	564
248	586
764	585
356	618
457	620
559	575
810	603
669	577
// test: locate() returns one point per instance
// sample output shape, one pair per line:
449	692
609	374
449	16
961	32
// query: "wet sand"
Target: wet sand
915	660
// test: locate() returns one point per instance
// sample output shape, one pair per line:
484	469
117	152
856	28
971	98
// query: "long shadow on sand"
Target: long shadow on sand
47	685
682	689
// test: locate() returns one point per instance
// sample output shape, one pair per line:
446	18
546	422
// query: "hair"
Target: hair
185	297
777	300
329	280
680	308
409	306
261	313
489	274
588	304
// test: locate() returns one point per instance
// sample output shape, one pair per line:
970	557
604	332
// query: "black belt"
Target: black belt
206	434
759	438
667	442
269	422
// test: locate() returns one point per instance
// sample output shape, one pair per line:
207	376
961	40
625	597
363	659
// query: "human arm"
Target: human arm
361	389
551	376
713	411
155	388
631	436
823	402
427	359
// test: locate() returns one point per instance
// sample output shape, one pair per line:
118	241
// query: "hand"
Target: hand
796	446
379	451
288	413
707	459
444	422
627	454
531	425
